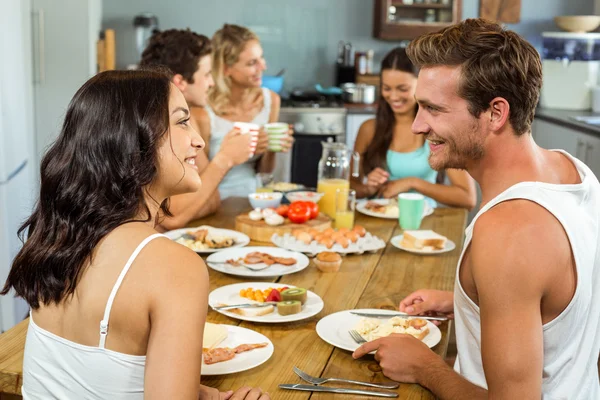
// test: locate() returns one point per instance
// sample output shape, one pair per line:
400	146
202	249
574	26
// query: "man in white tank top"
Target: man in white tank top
527	292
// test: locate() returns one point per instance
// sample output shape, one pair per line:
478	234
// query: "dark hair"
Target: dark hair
179	50
494	62
93	179
375	155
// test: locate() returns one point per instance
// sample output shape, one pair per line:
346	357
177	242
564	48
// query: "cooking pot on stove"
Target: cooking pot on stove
358	93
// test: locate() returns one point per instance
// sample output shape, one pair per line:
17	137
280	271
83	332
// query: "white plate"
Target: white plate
230	295
243	361
239	238
396	241
334	329
273	270
361	207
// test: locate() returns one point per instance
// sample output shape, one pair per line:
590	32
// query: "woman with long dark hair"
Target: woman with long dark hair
117	310
394	160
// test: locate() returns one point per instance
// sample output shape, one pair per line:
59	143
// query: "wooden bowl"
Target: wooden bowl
578	23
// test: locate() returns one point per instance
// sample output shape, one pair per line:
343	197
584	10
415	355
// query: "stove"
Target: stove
316	118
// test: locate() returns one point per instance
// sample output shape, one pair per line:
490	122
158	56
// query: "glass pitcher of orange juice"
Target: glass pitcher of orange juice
334	173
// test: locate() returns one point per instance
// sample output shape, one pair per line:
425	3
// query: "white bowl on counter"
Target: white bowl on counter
265	199
304	196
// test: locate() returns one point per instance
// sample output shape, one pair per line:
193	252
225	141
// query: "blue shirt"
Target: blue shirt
411	164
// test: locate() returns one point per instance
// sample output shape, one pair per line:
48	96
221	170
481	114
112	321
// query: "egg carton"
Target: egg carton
365	244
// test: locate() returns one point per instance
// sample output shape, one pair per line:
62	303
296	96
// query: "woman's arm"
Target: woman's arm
459	193
178	307
267	161
363	139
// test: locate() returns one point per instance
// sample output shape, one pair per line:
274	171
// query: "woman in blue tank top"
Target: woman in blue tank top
393	159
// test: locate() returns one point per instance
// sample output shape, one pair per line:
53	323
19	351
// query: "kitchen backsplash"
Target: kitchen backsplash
302	35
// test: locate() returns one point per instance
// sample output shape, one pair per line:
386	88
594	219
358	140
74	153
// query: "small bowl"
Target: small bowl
304	196
265	199
577	23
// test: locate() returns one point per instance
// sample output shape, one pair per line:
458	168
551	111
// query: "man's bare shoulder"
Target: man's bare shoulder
518	240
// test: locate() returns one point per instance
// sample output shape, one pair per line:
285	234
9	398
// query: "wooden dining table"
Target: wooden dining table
370	280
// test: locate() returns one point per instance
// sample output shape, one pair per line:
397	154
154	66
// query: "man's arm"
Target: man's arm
514	246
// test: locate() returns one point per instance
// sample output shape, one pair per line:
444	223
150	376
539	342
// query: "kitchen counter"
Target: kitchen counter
361	108
564	119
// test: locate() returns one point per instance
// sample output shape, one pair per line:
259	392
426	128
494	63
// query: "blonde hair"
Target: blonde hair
228	42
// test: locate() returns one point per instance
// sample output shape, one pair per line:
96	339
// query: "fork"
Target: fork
318	381
241	265
357	336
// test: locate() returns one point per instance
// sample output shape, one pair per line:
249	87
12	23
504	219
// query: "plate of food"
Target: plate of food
228	349
423	242
343	241
284	186
257	261
275	302
385	208
206	239
334	328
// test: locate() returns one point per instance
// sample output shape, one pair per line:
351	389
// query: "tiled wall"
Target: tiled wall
302	35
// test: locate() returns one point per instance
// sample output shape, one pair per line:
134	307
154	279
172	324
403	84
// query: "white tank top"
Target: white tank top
57	368
570	368
241	179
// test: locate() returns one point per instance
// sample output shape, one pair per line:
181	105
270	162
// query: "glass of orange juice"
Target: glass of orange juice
329	187
345	201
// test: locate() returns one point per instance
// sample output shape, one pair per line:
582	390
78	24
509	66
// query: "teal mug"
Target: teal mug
411	207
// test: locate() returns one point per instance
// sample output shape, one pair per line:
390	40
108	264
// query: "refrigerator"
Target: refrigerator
17	182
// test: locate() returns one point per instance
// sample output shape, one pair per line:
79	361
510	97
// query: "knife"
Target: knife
246	305
312	388
375	315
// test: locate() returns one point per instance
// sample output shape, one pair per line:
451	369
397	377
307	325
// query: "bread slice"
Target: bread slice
254	311
423	240
214	334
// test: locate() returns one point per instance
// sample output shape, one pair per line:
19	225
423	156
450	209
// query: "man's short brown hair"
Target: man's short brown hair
178	50
494	62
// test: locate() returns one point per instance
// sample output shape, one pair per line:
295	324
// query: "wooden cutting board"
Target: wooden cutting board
261	232
508	11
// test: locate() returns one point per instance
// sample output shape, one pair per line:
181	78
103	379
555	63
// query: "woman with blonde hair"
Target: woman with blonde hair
237	96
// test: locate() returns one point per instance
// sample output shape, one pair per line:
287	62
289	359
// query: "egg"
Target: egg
343	241
304	237
360	230
328	232
327	242
352	236
343	230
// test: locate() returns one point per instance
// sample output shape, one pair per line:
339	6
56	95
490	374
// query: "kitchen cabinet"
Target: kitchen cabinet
585	147
408	19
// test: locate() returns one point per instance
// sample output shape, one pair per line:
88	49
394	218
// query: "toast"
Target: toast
254	312
423	240
372	329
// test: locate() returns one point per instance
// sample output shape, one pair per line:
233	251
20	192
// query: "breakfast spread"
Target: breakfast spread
389	208
342	240
203	239
425	240
371	329
257	258
220	354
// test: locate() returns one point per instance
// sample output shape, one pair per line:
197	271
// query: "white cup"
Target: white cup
247	127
